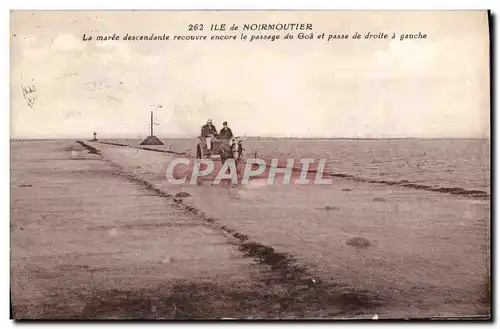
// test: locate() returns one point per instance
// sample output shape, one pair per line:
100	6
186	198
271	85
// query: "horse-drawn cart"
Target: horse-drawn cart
222	148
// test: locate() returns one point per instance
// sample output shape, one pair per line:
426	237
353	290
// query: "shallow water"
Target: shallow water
463	163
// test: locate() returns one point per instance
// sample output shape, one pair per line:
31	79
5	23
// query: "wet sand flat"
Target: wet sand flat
86	243
422	253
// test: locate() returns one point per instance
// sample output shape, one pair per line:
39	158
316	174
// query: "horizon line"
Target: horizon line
249	137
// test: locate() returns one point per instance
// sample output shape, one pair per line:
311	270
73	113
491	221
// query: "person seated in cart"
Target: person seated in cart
225	132
208	131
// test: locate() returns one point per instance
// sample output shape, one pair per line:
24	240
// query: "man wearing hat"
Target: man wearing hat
225	132
207	132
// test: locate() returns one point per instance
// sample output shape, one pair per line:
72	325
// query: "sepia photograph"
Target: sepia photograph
250	165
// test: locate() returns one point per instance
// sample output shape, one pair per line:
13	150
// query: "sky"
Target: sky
436	87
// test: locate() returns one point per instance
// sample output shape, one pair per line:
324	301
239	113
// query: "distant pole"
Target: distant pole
151	123
153	107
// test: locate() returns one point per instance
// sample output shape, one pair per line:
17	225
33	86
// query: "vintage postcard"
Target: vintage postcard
250	165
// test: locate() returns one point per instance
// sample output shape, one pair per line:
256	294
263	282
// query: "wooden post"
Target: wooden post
151	123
